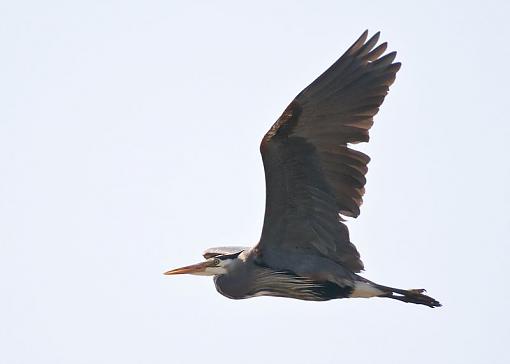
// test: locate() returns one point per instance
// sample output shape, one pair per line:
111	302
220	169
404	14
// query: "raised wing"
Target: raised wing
312	175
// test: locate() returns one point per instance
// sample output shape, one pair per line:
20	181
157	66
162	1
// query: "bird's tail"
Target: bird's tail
366	288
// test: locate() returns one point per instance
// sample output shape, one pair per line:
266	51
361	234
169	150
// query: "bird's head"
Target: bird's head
215	264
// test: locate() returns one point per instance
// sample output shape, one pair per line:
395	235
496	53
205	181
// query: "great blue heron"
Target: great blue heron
313	178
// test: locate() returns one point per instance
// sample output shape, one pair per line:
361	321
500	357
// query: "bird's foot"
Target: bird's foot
417	290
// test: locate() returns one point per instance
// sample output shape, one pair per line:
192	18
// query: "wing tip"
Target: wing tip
375	37
358	43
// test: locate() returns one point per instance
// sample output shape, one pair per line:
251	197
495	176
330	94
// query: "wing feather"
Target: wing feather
313	177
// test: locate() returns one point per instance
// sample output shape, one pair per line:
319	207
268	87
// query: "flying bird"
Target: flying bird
314	178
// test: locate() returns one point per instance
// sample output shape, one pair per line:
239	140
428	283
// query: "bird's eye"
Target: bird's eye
216	261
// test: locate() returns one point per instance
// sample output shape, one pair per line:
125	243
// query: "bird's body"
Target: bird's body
313	178
261	280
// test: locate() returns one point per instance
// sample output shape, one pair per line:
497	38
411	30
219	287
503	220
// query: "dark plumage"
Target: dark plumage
313	178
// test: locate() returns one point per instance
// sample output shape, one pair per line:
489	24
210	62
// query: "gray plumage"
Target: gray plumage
313	178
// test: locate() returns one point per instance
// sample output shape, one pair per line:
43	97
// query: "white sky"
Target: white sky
129	136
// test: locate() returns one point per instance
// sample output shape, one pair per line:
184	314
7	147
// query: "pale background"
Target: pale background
129	136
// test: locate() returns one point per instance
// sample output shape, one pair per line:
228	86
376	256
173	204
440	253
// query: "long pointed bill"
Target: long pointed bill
190	269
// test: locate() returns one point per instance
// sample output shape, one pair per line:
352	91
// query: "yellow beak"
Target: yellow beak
190	269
